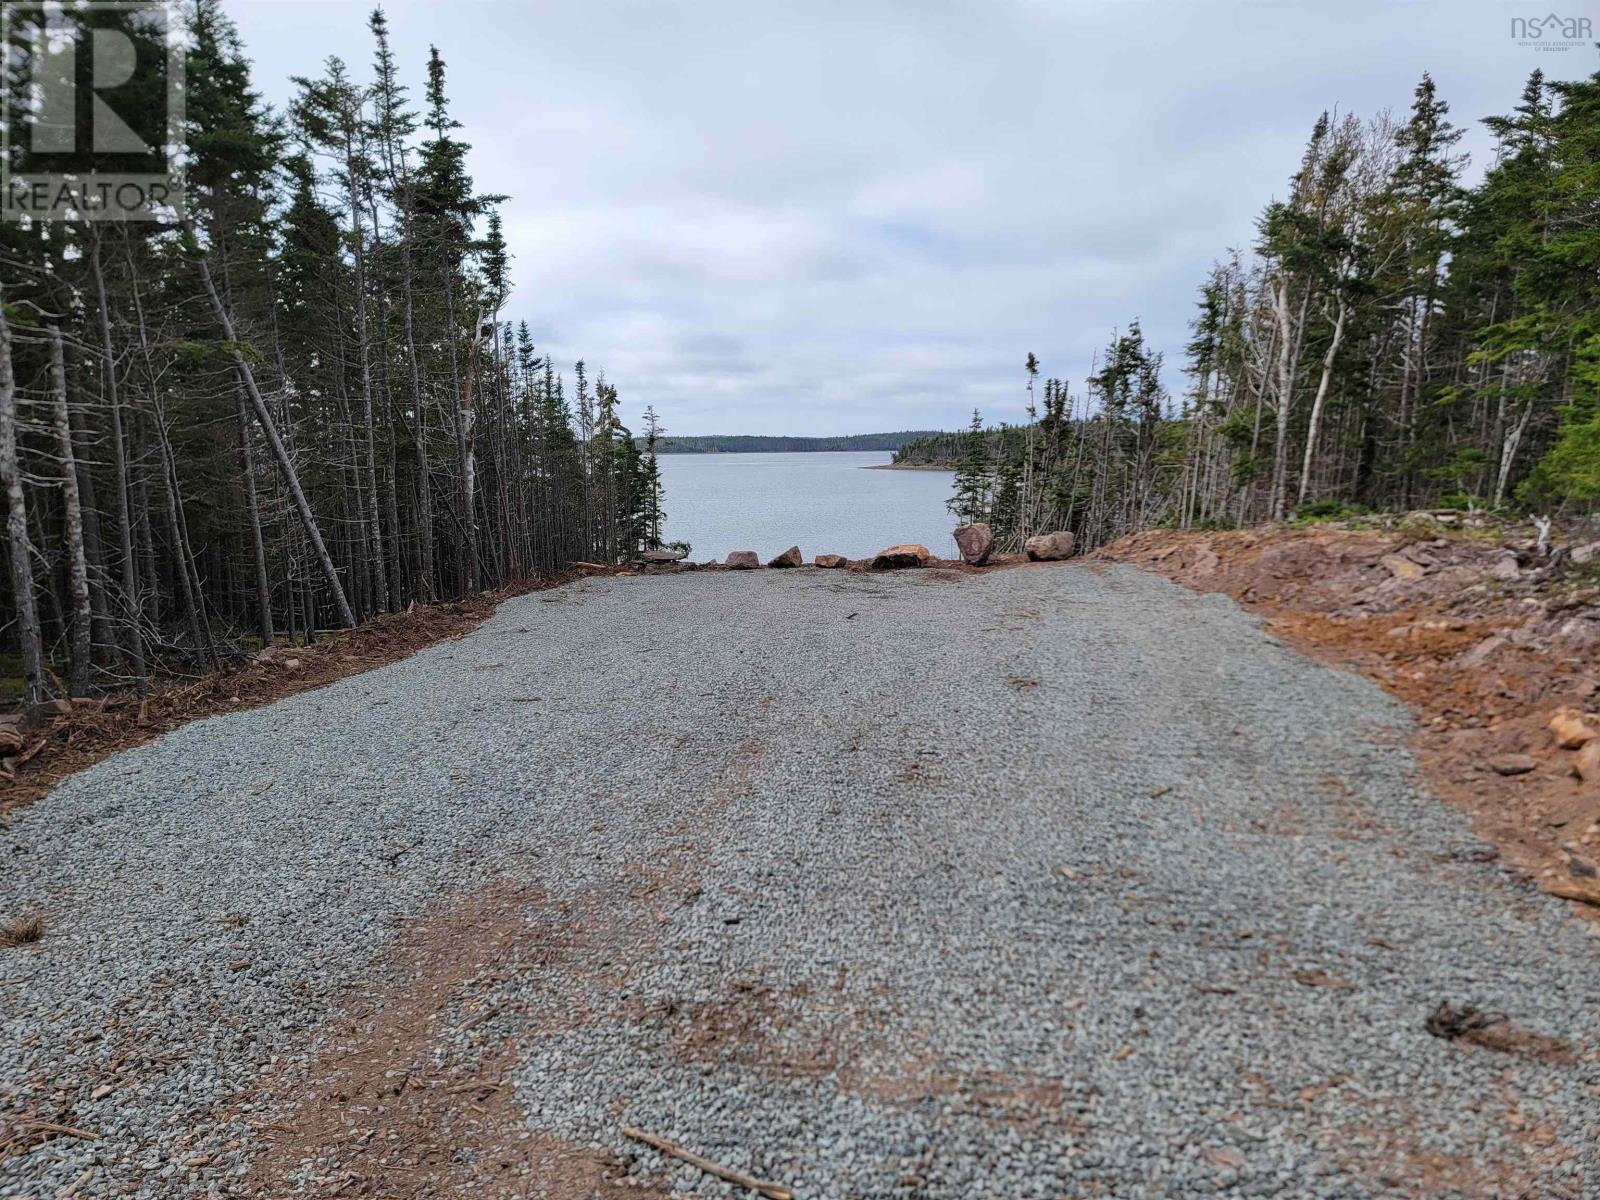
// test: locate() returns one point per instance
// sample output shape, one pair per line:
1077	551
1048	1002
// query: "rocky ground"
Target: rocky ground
1492	641
1050	881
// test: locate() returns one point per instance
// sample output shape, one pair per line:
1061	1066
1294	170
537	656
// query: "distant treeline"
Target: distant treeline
746	444
945	449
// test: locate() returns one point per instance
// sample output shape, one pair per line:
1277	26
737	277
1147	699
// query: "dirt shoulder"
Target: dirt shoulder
1484	638
89	730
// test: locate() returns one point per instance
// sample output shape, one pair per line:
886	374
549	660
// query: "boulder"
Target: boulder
662	556
53	708
742	560
789	558
1505	566
1048	547
11	739
976	541
1401	567
908	554
831	561
1586	766
1477	655
1585	554
1512	764
1573	728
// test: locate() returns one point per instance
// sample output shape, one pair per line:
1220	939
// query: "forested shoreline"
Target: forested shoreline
296	405
1394	339
738	443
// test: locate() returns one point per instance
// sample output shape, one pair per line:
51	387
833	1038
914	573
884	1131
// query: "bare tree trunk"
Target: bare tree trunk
132	609
180	544
291	477
17	524
93	545
1285	390
1291	332
454	407
258	549
1508	453
380	580
77	563
425	589
469	465
1322	394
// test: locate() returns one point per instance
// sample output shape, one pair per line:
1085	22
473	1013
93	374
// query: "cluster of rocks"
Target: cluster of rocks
11	736
1580	731
908	555
975	540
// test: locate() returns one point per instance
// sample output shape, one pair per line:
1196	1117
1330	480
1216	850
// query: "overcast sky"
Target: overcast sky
841	217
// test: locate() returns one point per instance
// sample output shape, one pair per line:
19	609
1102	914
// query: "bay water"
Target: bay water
824	502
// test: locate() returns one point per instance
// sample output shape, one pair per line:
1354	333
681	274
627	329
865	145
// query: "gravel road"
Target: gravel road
1047	882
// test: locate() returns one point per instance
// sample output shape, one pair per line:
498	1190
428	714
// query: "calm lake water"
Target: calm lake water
825	503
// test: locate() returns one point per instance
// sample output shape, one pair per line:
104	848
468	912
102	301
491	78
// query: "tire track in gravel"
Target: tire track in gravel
1041	882
414	1097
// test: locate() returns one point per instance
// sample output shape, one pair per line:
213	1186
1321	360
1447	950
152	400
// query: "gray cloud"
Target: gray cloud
837	217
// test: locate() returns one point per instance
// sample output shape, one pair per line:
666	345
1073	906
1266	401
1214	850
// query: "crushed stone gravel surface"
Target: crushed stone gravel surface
1046	882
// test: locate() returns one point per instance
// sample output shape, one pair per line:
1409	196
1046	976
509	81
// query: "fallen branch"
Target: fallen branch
773	1191
67	1130
72	1188
394	858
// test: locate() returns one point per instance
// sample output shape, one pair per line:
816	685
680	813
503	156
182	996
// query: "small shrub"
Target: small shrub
1328	510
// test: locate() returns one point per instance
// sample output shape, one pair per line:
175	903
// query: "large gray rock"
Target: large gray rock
1512	764
742	560
789	558
1585	554
1047	547
1402	568
907	554
1505	566
661	556
976	541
